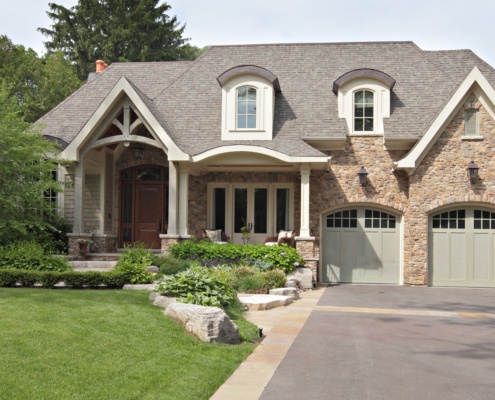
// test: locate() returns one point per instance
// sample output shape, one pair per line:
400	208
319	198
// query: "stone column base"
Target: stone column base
102	243
169	240
309	250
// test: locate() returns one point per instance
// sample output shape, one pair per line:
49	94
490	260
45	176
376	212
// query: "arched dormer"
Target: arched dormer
248	102
364	100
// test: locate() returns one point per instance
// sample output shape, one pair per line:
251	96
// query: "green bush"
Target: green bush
31	256
250	283
274	279
73	279
170	265
134	264
269	257
198	285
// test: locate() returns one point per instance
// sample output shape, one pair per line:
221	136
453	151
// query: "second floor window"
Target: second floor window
246	107
363	111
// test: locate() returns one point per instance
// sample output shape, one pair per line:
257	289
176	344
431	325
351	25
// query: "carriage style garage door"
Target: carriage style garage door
360	245
461	248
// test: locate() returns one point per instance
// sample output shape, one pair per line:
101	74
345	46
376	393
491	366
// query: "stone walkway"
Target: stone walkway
281	326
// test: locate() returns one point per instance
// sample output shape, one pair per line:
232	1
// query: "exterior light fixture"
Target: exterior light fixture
363	176
472	170
137	150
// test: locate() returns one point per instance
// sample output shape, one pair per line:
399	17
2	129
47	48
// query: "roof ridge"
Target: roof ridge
315	43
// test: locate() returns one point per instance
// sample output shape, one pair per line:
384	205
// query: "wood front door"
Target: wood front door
143	206
149	218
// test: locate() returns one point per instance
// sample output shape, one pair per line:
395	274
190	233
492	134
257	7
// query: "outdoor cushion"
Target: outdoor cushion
214	236
284	234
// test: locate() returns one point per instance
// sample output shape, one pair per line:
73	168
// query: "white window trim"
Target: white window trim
265	103
381	109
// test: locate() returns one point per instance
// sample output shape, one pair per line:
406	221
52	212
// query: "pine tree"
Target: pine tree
116	30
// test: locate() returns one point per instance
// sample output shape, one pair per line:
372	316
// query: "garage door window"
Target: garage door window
484	219
378	219
455	219
342	219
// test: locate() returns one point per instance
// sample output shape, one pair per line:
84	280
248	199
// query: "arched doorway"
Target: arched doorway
143	205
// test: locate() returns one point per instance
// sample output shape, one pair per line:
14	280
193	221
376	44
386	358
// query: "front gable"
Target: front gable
123	95
475	83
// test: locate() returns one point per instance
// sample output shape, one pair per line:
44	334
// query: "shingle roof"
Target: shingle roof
186	97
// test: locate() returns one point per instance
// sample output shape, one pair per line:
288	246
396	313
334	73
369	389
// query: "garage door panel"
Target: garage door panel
483	261
461	248
458	257
367	254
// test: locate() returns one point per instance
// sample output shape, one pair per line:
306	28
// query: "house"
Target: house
381	155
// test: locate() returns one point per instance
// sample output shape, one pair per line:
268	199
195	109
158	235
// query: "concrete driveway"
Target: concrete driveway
390	342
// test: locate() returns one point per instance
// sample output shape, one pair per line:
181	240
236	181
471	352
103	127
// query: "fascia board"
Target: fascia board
121	87
255	149
411	161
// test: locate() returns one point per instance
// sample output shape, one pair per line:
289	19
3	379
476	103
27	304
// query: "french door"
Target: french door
251	203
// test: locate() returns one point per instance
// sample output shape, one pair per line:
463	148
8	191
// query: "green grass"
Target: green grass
96	344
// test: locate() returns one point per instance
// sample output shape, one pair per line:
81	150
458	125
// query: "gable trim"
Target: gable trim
363	73
121	88
250	69
412	160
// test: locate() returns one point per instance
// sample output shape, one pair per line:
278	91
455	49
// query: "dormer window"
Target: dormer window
364	105
248	103
364	100
246	107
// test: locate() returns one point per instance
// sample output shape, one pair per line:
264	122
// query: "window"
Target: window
378	219
246	107
343	219
51	196
455	219
363	111
471	122
484	219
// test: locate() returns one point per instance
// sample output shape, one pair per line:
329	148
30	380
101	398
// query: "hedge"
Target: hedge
72	279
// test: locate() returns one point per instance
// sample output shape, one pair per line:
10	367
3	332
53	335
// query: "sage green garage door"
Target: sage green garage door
360	245
461	247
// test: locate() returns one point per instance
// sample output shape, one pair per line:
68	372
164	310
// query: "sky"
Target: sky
431	24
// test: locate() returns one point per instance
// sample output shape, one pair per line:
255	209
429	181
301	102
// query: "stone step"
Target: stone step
102	256
260	302
93	265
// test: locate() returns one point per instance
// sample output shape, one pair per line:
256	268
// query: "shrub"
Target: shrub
73	279
243	271
274	279
198	285
269	257
134	264
31	256
249	283
170	266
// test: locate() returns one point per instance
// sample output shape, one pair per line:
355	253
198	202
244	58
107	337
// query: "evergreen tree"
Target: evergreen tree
116	30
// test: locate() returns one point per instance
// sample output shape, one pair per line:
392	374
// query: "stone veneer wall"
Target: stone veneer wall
441	180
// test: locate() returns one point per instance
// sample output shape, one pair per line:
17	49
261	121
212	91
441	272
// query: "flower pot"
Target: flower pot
245	235
83	248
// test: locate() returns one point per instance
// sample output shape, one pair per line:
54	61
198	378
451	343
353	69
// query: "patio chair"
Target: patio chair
214	235
283	237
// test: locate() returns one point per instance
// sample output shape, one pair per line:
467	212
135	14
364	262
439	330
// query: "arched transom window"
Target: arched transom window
246	107
363	111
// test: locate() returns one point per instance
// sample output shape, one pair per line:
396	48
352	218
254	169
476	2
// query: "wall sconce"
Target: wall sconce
137	150
472	170
363	176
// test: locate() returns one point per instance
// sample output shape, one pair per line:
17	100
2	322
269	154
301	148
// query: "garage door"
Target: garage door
360	245
461	248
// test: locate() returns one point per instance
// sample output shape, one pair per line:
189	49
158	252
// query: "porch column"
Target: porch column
79	197
183	199
305	171
172	199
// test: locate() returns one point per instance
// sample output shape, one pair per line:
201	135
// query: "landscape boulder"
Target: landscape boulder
304	276
163	301
209	324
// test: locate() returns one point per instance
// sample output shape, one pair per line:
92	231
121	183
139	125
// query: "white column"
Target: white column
79	197
184	200
172	199
305	171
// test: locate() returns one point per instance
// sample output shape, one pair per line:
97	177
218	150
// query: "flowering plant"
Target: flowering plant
84	240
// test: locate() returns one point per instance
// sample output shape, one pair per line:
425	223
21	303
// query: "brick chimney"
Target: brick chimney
101	66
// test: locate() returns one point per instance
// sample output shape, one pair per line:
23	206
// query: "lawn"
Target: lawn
103	344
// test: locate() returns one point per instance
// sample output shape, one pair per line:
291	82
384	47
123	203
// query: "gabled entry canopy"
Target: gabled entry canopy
121	94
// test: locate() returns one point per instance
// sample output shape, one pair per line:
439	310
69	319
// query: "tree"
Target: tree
26	165
116	30
37	84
